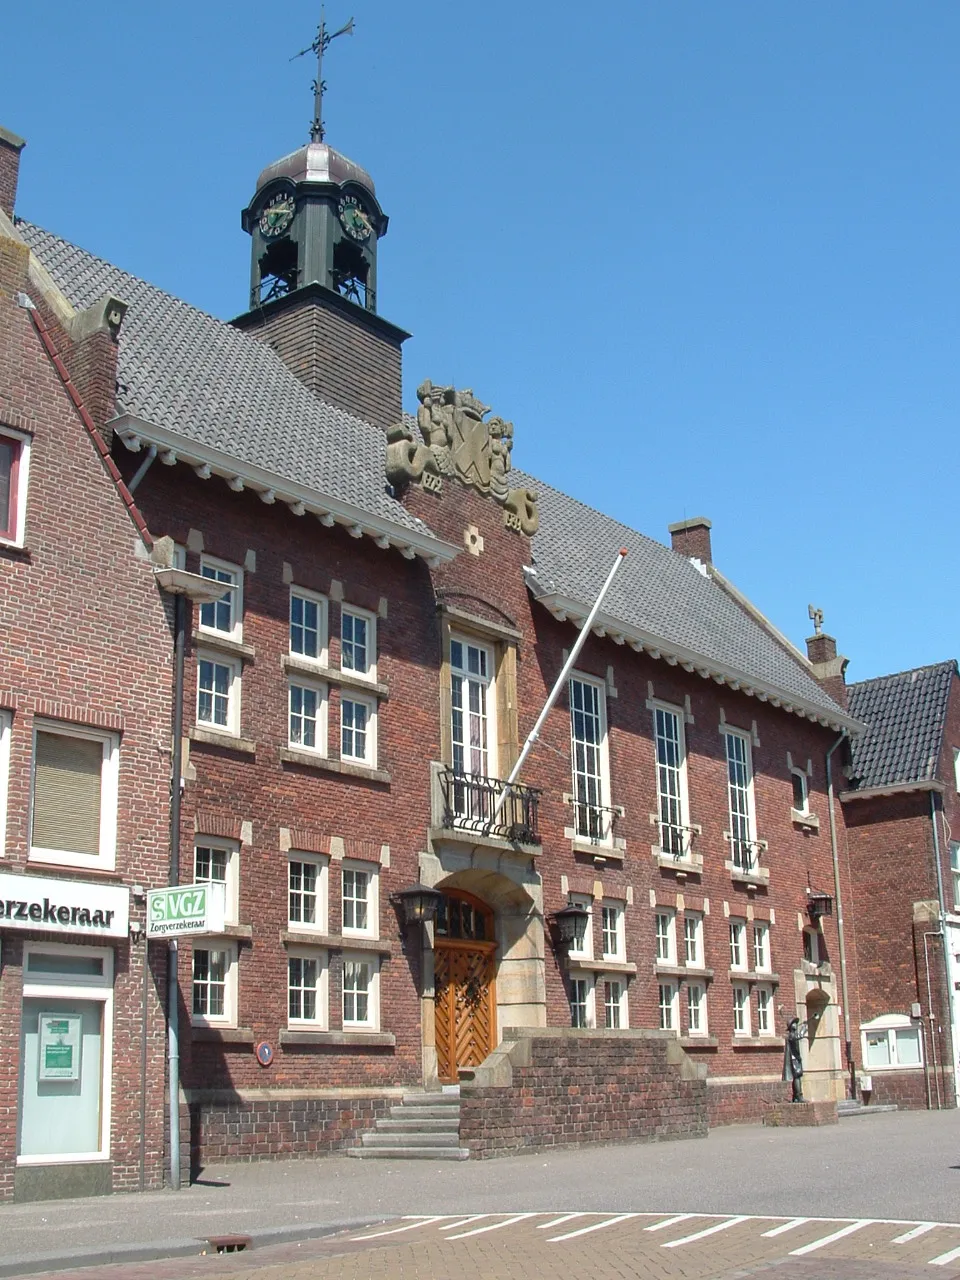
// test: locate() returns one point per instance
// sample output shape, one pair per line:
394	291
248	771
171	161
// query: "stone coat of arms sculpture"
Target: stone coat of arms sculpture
459	440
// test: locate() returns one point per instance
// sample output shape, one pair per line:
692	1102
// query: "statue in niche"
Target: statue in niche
501	443
792	1061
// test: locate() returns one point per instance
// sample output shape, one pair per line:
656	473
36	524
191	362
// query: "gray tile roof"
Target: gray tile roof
184	370
660	592
905	714
187	372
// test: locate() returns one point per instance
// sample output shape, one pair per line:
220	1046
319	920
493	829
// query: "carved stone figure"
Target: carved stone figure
459	441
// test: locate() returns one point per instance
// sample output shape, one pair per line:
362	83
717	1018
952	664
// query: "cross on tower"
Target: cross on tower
319	47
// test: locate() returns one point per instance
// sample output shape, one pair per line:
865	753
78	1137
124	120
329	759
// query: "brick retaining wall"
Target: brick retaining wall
559	1087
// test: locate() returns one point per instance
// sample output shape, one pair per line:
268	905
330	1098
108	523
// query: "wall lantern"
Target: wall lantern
819	905
419	904
571	922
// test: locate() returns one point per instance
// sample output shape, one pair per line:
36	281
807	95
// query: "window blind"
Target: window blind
66	793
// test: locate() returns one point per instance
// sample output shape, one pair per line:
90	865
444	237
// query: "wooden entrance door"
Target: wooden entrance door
464	967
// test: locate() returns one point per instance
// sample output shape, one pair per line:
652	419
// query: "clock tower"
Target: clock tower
315	224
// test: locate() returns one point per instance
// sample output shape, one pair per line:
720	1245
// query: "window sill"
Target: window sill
333	675
42	867
239	932
229	741
290	1039
754	975
700	1042
214	640
16	549
758	1042
324	764
805	819
690	865
601	966
681	971
811	970
203	1033
760	876
335	941
608	852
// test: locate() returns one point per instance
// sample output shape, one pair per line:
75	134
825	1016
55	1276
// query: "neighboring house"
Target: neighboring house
902	815
397	602
85	704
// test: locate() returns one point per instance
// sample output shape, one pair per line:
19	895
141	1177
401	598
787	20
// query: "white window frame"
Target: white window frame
234	590
321	691
956	768
891	1025
371	870
743	824
232	728
230	983
677	846
599	829
320	1021
231	882
350	610
815	937
106	859
489	714
314	598
321	892
955	872
372	1021
6	733
585	950
740	996
737	932
760	943
665	935
668	1005
19	496
369	758
590	1001
800	774
698	990
766	1010
86	987
616	1009
612	914
693	933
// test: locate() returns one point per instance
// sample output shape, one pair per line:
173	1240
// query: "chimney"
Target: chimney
10	148
692	538
829	667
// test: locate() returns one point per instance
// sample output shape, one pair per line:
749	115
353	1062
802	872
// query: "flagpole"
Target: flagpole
562	678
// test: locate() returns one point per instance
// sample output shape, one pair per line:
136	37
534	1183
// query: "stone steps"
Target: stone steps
425	1126
847	1109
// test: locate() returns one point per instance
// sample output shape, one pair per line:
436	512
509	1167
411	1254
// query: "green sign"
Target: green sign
185	909
59	1057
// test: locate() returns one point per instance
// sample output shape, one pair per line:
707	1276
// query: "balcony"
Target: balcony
466	803
592	828
675	850
744	864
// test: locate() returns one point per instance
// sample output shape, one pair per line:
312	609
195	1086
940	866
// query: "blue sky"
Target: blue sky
704	254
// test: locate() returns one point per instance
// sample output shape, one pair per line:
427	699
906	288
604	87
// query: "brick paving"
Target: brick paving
601	1246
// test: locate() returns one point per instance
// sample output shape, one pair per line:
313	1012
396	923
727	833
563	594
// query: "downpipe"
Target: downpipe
841	936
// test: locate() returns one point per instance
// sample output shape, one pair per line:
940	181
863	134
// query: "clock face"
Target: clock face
277	215
355	222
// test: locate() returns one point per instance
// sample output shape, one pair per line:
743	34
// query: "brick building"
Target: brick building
85	702
397	603
902	815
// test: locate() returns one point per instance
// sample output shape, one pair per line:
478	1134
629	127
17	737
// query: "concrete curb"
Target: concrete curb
33	1264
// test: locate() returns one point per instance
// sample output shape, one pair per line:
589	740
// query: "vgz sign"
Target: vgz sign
185	909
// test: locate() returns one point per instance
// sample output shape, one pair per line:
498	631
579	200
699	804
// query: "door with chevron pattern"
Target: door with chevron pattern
464	967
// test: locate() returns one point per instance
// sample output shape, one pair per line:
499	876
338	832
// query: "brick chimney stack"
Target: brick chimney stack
10	148
692	538
829	667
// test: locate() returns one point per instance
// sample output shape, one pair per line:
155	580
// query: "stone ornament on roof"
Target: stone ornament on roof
460	441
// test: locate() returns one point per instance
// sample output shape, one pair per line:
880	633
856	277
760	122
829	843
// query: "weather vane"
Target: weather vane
816	617
319	47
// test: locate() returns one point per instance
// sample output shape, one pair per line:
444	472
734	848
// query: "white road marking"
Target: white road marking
596	1226
920	1230
669	1222
944	1258
707	1231
420	1222
493	1226
848	1230
784	1226
463	1222
545	1226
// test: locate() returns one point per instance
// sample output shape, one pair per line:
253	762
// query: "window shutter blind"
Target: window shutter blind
66	793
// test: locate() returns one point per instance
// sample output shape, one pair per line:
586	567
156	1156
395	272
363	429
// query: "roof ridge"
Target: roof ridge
909	671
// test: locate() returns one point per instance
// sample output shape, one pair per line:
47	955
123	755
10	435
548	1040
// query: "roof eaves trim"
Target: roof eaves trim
893	788
566	609
134	431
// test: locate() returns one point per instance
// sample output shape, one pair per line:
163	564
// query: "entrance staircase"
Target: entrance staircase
425	1126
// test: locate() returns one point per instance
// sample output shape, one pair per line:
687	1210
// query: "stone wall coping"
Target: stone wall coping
355	1039
239	1097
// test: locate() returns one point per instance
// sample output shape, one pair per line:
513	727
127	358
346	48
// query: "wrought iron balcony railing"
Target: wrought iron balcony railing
677	839
745	853
594	822
470	803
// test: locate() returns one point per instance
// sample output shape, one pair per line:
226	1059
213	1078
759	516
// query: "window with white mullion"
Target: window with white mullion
356	730
674	835
741	1010
761	946
615	1004
665	936
224	615
612	932
306	893
211	968
955	873
216	694
307	625
738	955
582	1001
587	737
470	679
696	1009
765	1025
740	800
693	939
304	977
667	998
306	717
